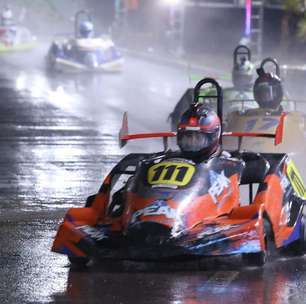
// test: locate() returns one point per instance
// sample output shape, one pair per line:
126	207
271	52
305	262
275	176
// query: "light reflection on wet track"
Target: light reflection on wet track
58	139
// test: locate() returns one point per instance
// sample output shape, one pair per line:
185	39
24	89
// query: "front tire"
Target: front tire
255	258
78	261
260	258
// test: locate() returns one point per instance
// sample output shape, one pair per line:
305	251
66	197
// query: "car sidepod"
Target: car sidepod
240	232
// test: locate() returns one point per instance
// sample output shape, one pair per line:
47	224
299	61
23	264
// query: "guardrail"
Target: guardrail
277	4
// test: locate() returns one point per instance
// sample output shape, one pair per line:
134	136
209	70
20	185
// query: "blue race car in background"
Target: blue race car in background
84	52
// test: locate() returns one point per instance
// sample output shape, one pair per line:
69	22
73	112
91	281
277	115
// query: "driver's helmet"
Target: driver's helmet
6	15
243	75
198	132
86	29
268	90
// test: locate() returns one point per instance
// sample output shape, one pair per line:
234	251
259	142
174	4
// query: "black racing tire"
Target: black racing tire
90	199
260	258
299	246
50	62
255	258
78	261
302	239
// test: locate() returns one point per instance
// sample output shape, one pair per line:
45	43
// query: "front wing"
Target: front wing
209	240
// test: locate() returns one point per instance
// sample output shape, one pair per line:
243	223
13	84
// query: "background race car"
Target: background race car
13	36
239	97
265	118
84	52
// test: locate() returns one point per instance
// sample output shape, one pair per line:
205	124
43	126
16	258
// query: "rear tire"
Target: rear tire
78	261
299	246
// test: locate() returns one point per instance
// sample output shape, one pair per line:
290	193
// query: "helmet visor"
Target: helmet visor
265	92
194	141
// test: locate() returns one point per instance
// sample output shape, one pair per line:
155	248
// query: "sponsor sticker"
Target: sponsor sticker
295	179
214	229
219	182
155	209
95	233
285	183
260	124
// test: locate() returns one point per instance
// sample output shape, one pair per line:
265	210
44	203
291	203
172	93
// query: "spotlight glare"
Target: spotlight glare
171	2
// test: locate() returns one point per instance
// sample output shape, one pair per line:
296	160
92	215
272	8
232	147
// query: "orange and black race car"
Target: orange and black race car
163	206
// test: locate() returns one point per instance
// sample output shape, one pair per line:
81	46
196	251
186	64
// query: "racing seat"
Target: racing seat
255	170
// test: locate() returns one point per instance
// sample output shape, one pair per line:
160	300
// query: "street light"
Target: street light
171	2
177	21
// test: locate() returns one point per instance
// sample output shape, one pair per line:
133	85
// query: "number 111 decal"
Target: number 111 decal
171	173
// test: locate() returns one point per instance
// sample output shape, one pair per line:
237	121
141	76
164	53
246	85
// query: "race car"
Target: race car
162	206
84	52
271	102
238	97
14	37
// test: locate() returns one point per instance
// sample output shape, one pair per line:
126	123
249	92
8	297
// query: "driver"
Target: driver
198	137
86	30
198	134
243	75
268	91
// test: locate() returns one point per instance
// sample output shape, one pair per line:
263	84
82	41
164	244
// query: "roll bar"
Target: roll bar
219	95
241	50
271	60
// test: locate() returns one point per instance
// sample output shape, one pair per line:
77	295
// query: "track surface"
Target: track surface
58	139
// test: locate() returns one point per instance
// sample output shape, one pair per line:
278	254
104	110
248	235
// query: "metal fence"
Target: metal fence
232	3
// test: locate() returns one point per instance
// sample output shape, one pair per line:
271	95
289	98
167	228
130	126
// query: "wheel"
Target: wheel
50	60
90	200
260	258
299	246
302	240
255	258
78	261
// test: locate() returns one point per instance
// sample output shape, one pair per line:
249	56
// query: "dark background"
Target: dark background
213	30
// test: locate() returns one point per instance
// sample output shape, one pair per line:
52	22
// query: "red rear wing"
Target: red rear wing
124	135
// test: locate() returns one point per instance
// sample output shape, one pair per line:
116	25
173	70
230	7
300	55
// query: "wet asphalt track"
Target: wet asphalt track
58	139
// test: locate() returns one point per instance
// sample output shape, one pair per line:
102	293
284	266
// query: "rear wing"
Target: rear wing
124	135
